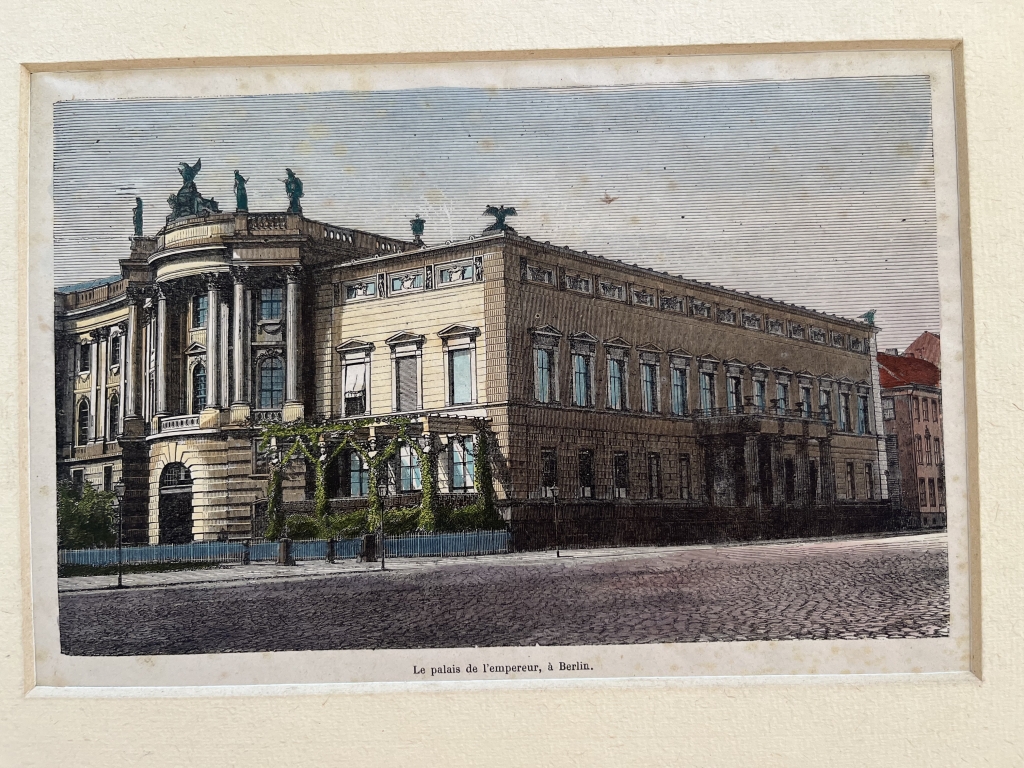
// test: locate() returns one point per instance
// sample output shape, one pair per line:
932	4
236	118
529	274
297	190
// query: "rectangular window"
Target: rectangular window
844	412
616	384
888	408
463	463
620	475
805	401
200	306
863	424
782	397
358	475
869	477
922	499
919	450
928	450
115	350
924	409
406	384
409	470
917	409
931	492
84	357
460	377
851	481
649	387
938	454
707	392
825	404
586	469
653	476
734	394
684	477
812	467
543	375
548	471
581	380
679	393
271	300
935	410
78	480
355	388
108	478
761	395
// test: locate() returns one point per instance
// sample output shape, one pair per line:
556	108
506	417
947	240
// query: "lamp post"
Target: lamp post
119	495
554	504
382	492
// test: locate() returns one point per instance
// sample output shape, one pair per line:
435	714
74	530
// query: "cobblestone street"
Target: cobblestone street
875	588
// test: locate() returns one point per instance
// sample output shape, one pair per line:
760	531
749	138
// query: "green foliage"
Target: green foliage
305	527
84	519
483	479
275	505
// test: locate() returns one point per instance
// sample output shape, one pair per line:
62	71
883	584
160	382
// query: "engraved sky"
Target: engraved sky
816	192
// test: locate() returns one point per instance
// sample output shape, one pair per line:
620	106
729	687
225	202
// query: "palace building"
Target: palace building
618	385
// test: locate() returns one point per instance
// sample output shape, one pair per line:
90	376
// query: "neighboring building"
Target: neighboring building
912	416
926	347
619	385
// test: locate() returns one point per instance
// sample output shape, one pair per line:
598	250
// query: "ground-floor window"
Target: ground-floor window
462	463
921	493
78	480
851	481
586	471
684	477
869	476
358	475
108	478
620	475
409	477
931	492
548	471
653	476
813	481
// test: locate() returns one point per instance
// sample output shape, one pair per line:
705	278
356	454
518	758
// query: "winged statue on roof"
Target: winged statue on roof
499	212
187	201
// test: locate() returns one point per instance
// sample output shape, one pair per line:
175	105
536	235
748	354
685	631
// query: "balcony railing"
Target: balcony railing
266	416
753	410
175	423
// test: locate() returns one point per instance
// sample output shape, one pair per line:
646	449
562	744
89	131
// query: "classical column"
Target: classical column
224	333
161	353
827	471
291	328
129	361
803	475
778	473
753	468
122	339
212	344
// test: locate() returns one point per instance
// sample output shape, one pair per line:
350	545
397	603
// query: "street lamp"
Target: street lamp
382	492
554	504
119	495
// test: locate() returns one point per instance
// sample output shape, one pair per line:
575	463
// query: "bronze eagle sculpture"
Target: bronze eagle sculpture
499	212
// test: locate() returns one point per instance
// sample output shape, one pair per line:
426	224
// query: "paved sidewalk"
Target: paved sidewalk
314	569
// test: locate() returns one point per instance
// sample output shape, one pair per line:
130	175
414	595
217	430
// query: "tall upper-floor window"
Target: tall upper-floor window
114	416
924	409
409	478
782	396
83	422
825	404
888	408
734	393
679	393
917	409
460	376
543	375
355	387
84	357
582	380
919	449
938	453
844	411
805	401
707	391
271	303
198	388
927	449
407	384
863	422
463	463
616	384
761	395
200	307
115	351
271	383
649	387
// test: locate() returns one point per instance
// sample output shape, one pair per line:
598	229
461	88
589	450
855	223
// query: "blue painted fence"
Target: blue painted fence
465	544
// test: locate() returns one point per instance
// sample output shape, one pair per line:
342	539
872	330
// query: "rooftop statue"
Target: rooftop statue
188	201
418	224
293	187
137	216
499	213
868	317
241	197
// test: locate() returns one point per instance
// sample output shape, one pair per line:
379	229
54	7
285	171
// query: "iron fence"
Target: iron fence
462	544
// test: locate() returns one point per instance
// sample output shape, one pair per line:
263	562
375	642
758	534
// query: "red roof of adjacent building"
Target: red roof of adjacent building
899	371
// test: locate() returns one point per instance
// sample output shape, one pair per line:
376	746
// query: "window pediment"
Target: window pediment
404	338
459	331
650	348
547	330
195	349
584	336
354	346
617	342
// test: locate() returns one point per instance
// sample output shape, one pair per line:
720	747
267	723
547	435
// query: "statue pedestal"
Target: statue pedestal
209	418
293	412
239	413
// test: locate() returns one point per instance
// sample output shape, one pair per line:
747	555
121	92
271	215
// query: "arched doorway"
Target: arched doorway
175	504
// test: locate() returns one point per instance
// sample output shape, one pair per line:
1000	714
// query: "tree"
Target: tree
85	518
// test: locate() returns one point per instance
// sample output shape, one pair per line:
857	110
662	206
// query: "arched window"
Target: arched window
198	388
175	475
83	422
271	383
114	416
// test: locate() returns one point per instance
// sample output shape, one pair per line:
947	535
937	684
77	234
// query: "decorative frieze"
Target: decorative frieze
539	274
356	290
775	326
673	304
642	297
456	273
751	321
614	291
700	308
838	339
405	282
578	283
727	316
817	335
857	344
797	331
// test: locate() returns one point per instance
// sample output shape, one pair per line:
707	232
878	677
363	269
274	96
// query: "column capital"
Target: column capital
99	334
293	273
